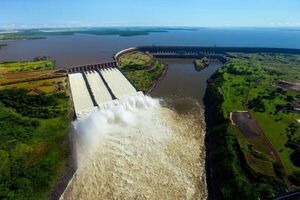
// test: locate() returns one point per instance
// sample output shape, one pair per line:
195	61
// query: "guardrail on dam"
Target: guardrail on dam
96	85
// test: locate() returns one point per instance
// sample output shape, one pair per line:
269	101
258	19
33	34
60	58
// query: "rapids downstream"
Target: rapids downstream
139	148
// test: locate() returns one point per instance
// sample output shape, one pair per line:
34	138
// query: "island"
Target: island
201	64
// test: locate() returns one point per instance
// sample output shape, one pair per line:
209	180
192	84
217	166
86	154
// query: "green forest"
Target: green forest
32	130
250	82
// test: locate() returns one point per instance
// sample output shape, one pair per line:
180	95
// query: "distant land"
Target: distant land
42	33
2	45
25	34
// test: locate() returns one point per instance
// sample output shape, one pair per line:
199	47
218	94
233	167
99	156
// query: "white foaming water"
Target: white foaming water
138	149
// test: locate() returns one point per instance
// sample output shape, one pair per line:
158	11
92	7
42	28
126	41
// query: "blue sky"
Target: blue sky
198	13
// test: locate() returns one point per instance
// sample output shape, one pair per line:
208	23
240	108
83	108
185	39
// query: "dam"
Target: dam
132	146
96	85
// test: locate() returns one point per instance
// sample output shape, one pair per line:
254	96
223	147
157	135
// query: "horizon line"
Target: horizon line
24	27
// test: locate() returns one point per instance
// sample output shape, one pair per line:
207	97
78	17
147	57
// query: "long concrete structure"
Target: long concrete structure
94	66
194	52
95	85
81	96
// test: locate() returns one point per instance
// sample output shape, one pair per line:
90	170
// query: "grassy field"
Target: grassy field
256	75
248	82
36	64
20	77
142	69
33	127
47	86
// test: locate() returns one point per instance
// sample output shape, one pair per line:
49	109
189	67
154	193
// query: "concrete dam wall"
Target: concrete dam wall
196	52
93	88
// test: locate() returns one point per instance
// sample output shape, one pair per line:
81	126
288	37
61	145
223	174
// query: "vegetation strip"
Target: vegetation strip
2	45
38	63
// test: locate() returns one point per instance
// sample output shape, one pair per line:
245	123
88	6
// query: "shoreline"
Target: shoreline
155	82
211	182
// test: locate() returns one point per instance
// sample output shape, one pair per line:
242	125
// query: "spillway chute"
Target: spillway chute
96	88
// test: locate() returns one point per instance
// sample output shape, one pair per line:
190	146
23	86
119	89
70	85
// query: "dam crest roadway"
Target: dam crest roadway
95	86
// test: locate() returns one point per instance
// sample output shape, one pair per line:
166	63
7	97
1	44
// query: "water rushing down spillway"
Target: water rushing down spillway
119	85
138	149
94	88
98	88
80	93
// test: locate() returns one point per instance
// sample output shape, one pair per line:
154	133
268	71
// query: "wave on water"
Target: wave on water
139	149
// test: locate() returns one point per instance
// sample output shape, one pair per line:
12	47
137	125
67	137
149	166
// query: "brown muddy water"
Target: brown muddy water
146	147
139	150
183	81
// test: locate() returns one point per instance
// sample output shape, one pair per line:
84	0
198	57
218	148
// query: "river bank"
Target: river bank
69	146
155	82
251	158
213	116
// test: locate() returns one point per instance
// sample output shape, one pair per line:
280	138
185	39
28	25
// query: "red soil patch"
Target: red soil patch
247	125
255	135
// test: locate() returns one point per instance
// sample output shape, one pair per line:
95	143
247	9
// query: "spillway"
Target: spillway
81	97
99	90
94	88
118	83
132	147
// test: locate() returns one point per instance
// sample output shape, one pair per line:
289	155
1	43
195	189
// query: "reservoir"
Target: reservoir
83	48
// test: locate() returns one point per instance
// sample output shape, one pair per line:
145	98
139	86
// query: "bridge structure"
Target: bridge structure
96	85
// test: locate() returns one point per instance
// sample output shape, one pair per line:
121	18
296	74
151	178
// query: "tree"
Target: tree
257	105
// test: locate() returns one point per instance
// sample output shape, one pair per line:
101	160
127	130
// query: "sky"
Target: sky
186	13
